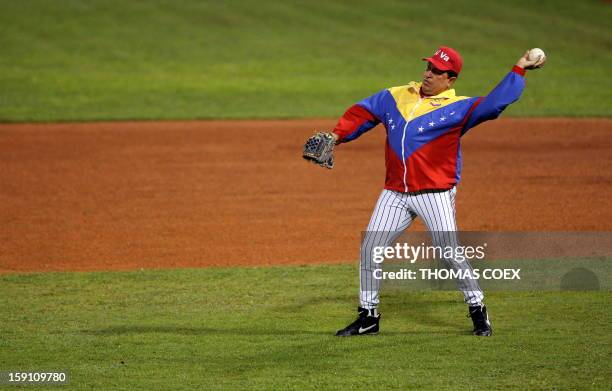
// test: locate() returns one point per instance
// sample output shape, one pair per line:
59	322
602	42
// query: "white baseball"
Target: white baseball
536	54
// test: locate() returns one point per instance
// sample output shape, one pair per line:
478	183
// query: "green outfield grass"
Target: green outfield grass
271	328
105	60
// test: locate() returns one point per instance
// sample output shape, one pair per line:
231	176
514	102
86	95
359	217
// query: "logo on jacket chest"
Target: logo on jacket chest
435	103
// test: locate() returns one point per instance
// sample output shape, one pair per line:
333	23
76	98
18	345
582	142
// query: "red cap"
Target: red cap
446	59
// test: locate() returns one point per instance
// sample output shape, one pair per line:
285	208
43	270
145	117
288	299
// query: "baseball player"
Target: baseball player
424	122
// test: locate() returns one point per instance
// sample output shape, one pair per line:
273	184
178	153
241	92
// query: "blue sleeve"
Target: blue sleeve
362	116
377	104
491	106
355	122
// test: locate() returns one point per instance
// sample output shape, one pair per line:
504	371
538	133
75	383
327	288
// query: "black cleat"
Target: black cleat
480	318
366	324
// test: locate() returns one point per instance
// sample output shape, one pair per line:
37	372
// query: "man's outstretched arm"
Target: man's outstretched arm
506	92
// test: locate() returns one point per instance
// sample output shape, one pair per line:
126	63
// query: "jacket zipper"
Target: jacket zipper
416	105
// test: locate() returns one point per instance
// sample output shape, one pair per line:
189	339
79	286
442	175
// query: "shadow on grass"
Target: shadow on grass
236	332
421	310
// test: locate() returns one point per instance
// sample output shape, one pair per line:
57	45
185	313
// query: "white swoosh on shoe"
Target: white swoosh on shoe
362	330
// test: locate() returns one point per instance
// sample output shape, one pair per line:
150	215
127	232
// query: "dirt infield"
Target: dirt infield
128	195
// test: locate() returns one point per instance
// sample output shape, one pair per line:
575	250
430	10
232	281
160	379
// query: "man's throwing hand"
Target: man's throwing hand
527	62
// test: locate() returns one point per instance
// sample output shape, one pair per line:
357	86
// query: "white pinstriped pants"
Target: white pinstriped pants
393	214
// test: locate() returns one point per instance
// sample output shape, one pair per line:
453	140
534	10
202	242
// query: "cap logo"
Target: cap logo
442	55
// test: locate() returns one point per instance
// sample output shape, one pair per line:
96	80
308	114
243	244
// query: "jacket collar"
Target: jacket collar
448	94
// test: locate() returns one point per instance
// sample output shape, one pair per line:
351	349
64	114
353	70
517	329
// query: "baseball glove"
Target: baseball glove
319	149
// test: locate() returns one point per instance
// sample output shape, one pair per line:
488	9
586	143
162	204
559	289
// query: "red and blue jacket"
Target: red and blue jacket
422	150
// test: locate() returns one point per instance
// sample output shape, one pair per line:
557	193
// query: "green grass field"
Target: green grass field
101	60
271	328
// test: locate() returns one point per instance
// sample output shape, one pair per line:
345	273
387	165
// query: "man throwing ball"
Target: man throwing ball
424	122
